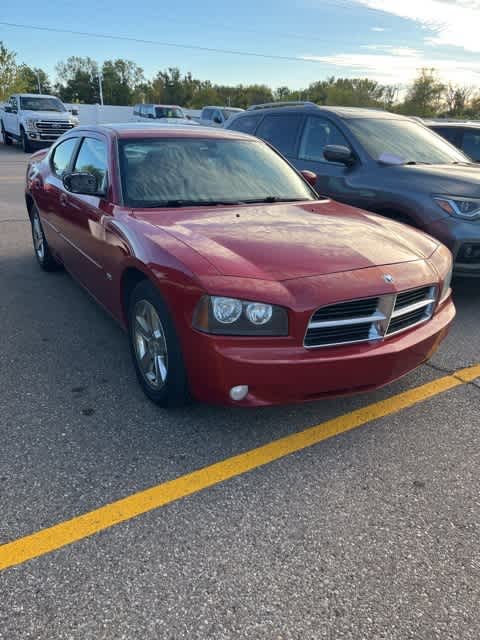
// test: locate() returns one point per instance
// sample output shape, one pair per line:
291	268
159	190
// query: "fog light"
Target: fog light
33	135
239	392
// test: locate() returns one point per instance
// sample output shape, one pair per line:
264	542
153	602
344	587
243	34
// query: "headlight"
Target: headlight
466	208
31	124
446	285
233	317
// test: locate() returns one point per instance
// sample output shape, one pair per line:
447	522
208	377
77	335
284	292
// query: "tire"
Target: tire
6	138
155	348
40	245
26	146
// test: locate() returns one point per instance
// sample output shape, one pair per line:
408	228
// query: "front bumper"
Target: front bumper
457	234
284	374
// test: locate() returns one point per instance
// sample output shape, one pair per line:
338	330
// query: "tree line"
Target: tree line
124	83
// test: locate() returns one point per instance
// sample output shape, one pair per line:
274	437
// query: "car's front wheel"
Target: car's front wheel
40	244
155	348
6	138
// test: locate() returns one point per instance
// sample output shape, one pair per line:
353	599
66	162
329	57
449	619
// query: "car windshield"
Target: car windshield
405	140
228	113
189	171
41	104
168	112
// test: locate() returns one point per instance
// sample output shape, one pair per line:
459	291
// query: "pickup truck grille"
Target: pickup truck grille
369	319
52	129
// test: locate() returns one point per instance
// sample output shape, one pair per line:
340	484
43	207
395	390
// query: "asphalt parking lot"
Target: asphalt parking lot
371	533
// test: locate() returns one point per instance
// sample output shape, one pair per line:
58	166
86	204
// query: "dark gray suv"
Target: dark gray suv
389	164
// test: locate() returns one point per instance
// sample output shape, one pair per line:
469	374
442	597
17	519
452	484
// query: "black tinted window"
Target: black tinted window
281	132
247	124
62	155
92	158
471	144
449	133
319	133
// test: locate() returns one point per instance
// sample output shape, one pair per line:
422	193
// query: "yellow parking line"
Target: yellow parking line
64	533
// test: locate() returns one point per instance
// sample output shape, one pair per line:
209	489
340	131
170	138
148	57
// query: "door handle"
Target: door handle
63	200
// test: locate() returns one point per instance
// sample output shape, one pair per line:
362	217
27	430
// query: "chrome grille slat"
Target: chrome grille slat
367	319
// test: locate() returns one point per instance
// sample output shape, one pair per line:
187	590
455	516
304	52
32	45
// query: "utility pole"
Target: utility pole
100	87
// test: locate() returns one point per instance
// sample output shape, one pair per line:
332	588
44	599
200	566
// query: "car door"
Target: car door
11	119
83	218
470	143
333	178
49	193
282	132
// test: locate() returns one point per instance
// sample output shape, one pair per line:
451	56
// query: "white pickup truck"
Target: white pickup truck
34	120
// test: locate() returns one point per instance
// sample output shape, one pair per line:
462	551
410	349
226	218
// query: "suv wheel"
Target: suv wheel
26	146
6	138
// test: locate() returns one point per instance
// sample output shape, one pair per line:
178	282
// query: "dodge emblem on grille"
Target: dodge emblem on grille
388	278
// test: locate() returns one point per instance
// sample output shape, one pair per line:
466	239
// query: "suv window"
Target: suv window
144	110
13	103
207	114
318	133
92	158
449	133
471	144
136	110
281	131
246	124
62	154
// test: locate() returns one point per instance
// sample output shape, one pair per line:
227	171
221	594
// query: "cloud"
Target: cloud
378	29
390	67
450	22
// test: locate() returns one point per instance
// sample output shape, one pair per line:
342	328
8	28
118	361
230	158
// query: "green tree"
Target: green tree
123	81
30	79
425	95
78	80
9	80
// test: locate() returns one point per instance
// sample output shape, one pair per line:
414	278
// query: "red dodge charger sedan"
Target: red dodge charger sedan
236	283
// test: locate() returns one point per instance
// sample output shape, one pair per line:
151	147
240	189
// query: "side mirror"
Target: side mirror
217	120
150	115
310	177
81	182
74	112
338	153
7	108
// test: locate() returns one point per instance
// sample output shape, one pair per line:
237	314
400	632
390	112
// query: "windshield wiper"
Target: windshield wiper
192	203
269	199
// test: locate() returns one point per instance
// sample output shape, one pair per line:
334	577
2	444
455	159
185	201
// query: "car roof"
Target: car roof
310	107
213	106
34	95
160	130
439	123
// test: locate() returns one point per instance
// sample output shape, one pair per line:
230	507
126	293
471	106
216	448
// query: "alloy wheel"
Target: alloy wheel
150	344
38	239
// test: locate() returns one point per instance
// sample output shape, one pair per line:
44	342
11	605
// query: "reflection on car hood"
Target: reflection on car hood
285	241
47	115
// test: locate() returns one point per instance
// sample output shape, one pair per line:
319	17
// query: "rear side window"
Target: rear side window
245	124
318	133
62	154
449	133
471	144
281	132
92	158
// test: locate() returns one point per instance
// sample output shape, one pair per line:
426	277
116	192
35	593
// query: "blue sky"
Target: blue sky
388	40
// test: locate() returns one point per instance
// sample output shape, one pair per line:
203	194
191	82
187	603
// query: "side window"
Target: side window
245	124
143	110
136	110
449	133
471	144
217	116
92	158
14	103
319	133
207	114
281	132
62	154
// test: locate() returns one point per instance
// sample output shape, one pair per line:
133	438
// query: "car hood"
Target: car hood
286	241
47	115
450	179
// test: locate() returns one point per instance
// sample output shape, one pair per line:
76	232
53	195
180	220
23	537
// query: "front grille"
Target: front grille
368	319
51	128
